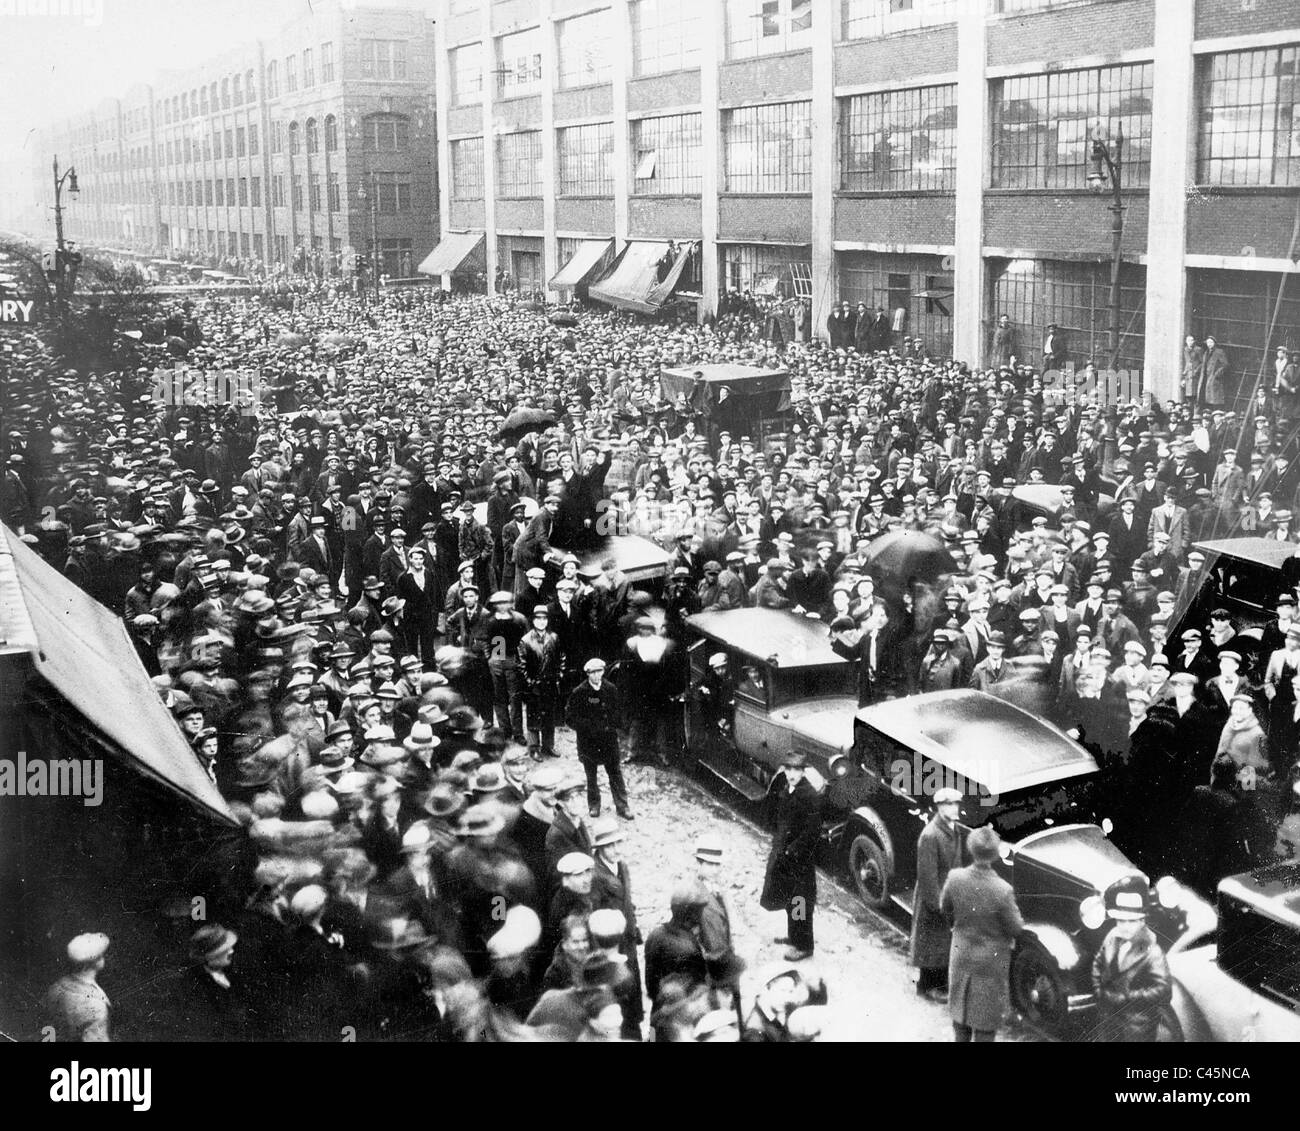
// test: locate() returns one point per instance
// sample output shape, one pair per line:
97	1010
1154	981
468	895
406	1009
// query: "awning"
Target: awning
84	652
633	283
452	250
580	264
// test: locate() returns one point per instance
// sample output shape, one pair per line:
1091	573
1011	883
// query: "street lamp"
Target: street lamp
1106	172
64	256
373	197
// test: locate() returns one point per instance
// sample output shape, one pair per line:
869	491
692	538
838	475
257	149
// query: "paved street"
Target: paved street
861	956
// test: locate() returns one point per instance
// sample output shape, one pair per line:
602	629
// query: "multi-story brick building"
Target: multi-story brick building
930	157
309	146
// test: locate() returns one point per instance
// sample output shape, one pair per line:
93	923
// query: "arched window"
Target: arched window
203	100
331	133
185	105
295	138
216	99
225	94
313	136
239	90
250	91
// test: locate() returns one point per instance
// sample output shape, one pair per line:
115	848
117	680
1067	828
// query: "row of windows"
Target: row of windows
391	193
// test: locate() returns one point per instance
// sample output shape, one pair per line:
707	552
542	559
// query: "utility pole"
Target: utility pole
1107	168
64	258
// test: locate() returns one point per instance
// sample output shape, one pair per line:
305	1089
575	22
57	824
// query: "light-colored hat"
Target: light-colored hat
87	948
574	864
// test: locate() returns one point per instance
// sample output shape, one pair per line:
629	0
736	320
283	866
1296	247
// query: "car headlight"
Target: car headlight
838	766
1092	912
1169	893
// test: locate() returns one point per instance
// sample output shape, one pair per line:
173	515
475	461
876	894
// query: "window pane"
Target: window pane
899	140
1249	132
666	154
585	49
585	155
665	36
519	164
768	148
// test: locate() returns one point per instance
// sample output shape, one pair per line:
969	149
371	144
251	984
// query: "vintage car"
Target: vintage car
880	765
1239	979
1045	500
1244	576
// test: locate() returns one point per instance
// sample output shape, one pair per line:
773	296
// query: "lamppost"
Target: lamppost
64	256
1107	159
373	197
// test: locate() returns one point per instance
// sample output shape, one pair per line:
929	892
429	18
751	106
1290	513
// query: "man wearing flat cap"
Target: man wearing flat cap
938	852
76	1007
594	711
790	883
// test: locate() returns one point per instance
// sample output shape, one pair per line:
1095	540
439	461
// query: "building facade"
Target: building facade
932	158
314	148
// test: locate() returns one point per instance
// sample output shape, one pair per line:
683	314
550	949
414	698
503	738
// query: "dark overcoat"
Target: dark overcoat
791	865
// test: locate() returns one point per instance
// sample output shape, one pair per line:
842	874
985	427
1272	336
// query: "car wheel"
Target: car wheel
869	870
1038	988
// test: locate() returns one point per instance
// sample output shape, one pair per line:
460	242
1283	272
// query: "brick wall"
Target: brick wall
760	80
589	102
667	218
466	214
1230	224
899	219
1102	28
526	214
1217	18
779	218
682	88
584	215
518	113
897	58
1061	223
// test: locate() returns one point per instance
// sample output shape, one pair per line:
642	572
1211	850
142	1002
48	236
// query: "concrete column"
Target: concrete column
712	52
489	149
973	146
825	276
1172	153
441	107
620	16
550	76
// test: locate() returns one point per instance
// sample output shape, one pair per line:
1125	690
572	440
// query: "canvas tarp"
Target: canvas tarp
633	283
452	250
580	264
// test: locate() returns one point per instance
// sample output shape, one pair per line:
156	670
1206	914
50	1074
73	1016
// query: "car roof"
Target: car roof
986	740
1273	890
771	635
1260	551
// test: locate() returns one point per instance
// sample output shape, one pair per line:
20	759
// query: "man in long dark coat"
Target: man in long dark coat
790	884
938	852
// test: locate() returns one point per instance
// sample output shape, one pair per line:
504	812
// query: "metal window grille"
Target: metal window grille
585	155
778	272
1250	118
1042	125
467	74
519	62
869	19
467	169
327	62
915	284
1236	308
899	140
765	27
1034	293
519	164
666	155
768	148
585	55
665	36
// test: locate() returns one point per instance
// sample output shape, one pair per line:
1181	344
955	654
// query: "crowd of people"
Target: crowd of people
370	606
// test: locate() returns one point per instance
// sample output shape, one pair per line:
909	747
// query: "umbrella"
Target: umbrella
907	555
525	420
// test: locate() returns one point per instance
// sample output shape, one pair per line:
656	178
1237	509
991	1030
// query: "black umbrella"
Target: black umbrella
908	555
525	420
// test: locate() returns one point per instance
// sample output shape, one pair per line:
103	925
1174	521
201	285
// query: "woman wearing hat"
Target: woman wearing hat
1129	973
986	922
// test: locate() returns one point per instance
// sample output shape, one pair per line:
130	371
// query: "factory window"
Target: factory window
585	49
519	63
899	140
768	148
519	164
765	27
1250	118
467	74
585	155
665	36
868	19
666	158
467	169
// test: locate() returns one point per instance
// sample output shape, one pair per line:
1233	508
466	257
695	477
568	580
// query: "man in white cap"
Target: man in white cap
593	711
938	852
76	1007
715	918
1129	973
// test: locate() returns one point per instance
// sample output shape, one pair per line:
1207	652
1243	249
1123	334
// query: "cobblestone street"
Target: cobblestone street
861	956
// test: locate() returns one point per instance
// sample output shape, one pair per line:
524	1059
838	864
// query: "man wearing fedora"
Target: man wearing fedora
1129	973
790	882
981	907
